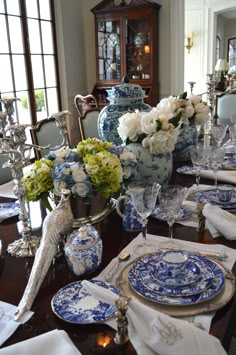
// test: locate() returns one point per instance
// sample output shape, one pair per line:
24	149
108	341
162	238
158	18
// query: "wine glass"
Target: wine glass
144	197
219	133
170	203
215	161
232	133
199	157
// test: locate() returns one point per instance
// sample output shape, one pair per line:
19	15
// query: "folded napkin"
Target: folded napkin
152	332
6	190
56	342
7	323
220	222
228	176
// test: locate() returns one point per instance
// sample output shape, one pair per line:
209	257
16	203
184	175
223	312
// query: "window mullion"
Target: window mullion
30	81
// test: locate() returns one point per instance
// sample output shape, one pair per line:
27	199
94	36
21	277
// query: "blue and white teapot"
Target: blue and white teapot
83	250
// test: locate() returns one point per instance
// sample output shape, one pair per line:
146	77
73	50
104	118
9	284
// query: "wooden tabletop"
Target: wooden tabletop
14	273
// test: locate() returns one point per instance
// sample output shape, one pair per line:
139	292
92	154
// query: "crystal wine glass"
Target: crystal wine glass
144	197
170	203
219	133
199	157
232	133
215	161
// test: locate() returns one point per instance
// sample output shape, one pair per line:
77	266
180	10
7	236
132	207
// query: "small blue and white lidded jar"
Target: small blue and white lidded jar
123	98
83	250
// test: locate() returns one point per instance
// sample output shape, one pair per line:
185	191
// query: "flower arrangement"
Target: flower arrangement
93	166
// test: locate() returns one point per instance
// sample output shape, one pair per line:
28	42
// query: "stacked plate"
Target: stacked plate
201	280
211	197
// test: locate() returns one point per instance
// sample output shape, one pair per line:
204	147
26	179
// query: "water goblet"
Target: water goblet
215	161
144	197
199	157
170	203
219	133
232	133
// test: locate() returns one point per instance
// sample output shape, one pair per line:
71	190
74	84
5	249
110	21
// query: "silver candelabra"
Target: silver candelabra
13	144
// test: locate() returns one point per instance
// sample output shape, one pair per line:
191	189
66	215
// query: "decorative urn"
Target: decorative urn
123	98
83	250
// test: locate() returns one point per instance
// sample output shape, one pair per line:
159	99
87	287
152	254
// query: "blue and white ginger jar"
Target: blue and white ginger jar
123	98
83	250
186	139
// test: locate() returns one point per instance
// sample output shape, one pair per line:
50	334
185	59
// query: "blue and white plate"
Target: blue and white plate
197	281
9	209
189	169
183	214
210	196
74	305
229	164
215	287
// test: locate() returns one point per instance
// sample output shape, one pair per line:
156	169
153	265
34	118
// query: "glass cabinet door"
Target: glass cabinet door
138	49
109	50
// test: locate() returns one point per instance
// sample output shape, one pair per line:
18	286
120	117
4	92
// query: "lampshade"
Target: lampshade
221	65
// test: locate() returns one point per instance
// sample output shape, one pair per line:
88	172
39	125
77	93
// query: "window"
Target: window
232	53
217	48
28	58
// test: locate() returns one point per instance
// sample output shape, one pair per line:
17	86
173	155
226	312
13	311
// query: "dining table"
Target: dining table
93	338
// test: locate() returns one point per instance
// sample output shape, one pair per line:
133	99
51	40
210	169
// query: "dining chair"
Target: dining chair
85	103
46	132
5	173
225	105
88	124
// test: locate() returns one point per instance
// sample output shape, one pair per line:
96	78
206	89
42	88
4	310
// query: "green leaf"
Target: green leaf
175	120
183	96
158	125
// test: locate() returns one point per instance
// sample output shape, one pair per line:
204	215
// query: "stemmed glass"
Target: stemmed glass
215	161
199	157
232	133
170	203
144	197
219	133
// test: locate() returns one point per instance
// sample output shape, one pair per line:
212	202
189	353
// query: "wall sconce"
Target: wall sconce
147	49
189	41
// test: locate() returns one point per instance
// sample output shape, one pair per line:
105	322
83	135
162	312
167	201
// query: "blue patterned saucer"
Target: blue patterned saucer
214	288
9	209
74	305
202	280
183	214
210	196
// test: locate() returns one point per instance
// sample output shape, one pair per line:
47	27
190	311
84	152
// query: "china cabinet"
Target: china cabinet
126	33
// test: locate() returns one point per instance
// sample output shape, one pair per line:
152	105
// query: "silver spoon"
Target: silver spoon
123	256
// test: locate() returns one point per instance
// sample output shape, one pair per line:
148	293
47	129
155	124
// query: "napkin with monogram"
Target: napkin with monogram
220	222
152	332
56	342
7	323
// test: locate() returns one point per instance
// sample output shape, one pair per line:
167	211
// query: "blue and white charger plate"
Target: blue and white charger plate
183	214
215	287
9	209
74	305
210	196
198	277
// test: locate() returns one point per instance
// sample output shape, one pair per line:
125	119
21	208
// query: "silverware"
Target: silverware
211	254
123	256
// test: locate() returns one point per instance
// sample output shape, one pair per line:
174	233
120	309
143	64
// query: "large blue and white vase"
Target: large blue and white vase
152	167
123	98
186	139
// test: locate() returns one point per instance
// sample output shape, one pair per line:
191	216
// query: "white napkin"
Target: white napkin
152	332
7	323
56	342
6	190
228	176
220	222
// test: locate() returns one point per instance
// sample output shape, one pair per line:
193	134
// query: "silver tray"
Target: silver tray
218	302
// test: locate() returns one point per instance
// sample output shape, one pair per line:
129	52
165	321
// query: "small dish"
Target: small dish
9	209
184	213
74	305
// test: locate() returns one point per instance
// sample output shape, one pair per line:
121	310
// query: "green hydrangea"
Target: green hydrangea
92	146
38	180
105	172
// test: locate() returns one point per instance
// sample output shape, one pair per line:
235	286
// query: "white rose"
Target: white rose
201	108
148	122
189	110
129	126
195	99
80	189
58	186
167	105
126	155
78	173
201	118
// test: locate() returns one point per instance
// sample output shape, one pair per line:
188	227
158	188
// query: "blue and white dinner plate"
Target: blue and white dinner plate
183	214
189	168
229	164
196	278
215	287
9	209
210	196
75	305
